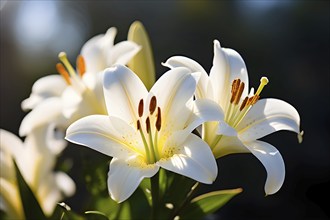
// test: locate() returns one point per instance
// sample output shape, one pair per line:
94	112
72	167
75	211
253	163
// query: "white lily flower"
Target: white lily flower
61	100
246	118
148	130
35	163
10	201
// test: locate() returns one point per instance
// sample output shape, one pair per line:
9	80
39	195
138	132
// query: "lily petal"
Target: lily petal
273	162
125	176
45	87
203	83
203	110
109	135
93	55
267	116
94	50
228	145
10	143
50	110
123	90
173	90
65	184
193	159
122	52
227	66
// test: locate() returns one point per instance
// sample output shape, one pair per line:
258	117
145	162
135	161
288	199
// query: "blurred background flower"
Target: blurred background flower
286	40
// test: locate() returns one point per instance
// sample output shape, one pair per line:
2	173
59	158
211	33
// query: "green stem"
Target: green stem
155	195
186	201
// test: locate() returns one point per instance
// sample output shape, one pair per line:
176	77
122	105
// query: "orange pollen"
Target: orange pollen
81	65
243	103
239	93
255	99
61	70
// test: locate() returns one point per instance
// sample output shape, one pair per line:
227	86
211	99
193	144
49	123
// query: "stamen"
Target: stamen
255	99
61	70
239	93
81	65
146	147
62	56
244	103
234	88
152	105
148	125
158	120
138	125
140	108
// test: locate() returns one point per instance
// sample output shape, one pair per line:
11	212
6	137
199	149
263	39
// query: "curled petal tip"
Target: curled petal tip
300	137
216	43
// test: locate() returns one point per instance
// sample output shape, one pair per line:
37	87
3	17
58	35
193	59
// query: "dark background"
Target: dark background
287	41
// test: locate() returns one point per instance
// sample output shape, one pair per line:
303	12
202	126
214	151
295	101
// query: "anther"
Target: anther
148	124
244	103
81	66
140	108
234	88
152	105
239	93
158	120
61	70
138	125
62	56
255	99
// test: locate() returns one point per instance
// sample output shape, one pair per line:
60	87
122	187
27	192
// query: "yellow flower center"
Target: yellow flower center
150	145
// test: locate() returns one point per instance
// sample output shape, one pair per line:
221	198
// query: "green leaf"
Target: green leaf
208	203
96	215
64	212
32	209
95	168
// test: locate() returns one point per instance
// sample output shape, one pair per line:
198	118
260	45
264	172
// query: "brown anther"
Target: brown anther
249	101
255	99
158	120
81	66
61	70
138	125
239	93
140	108
234	88
148	124
152	105
244	103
